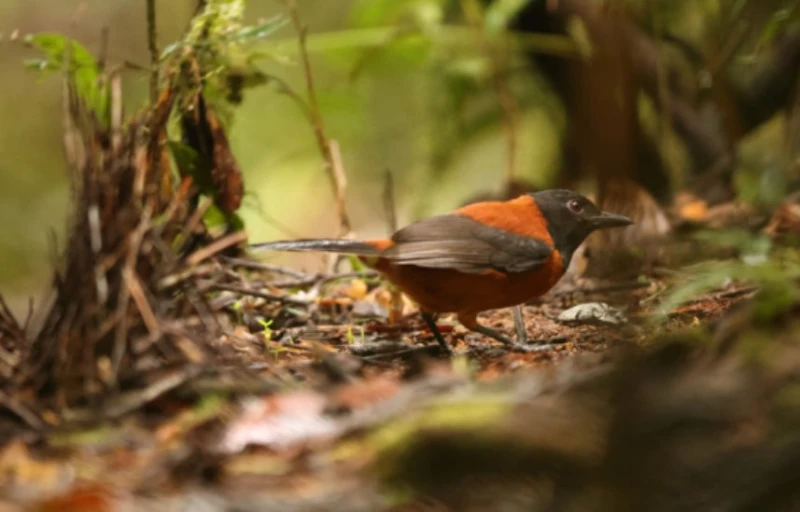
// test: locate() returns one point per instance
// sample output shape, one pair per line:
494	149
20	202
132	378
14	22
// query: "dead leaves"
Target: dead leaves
217	173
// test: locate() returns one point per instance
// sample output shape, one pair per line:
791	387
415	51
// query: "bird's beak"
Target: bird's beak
610	220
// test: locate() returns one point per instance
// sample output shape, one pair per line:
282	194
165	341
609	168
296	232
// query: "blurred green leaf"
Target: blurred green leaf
776	283
247	34
84	68
748	244
254	33
55	47
185	157
217	221
501	12
372	13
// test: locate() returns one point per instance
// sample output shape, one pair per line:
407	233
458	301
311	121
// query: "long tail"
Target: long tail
321	244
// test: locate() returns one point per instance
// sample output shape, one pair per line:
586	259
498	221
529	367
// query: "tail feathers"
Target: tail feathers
320	244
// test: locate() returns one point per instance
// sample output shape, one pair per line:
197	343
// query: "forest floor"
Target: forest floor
319	404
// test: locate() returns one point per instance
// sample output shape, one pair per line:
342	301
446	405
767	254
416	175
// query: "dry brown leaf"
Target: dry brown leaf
86	499
281	422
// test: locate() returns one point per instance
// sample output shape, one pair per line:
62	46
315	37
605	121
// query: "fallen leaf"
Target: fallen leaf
281	422
592	312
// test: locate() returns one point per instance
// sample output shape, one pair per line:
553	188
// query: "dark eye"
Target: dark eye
575	206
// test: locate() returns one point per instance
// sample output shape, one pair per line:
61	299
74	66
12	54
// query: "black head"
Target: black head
571	218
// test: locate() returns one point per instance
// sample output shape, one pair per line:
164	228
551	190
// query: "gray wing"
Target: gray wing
460	243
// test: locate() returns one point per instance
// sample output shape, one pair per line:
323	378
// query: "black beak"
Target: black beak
610	220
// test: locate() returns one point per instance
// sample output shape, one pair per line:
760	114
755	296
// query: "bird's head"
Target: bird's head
572	217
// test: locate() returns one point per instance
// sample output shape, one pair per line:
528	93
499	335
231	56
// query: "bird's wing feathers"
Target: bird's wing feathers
460	243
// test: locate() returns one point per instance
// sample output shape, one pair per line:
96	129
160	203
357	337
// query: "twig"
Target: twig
263	295
389	204
322	280
340	183
193	222
121	333
215	247
115	85
329	150
137	292
431	347
178	277
8	321
134	400
510	106
25	414
152	45
102	55
254	265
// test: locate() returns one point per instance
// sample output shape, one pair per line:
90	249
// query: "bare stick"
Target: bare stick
152	45
510	106
121	333
329	151
215	247
140	299
255	265
262	295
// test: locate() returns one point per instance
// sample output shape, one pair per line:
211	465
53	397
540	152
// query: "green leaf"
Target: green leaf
185	157
255	32
500	13
54	46
748	244
82	64
248	34
776	282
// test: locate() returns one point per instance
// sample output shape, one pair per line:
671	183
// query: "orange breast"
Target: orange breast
450	291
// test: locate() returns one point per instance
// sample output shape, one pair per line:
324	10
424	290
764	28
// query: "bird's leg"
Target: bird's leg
494	334
519	325
470	321
431	323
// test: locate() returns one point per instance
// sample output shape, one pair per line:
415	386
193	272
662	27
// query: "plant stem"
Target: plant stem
330	153
153	47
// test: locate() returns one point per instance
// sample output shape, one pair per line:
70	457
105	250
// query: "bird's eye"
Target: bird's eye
575	207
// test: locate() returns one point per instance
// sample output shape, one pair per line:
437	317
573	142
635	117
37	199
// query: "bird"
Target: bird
483	256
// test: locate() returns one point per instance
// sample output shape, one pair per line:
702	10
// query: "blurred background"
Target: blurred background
453	97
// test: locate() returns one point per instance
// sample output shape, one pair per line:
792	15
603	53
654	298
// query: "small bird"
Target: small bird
483	256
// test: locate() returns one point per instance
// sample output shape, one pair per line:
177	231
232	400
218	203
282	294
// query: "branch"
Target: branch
332	162
152	45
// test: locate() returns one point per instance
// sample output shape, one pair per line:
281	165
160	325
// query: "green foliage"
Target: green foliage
373	13
218	221
64	54
751	247
240	35
776	278
266	329
222	46
500	13
779	22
